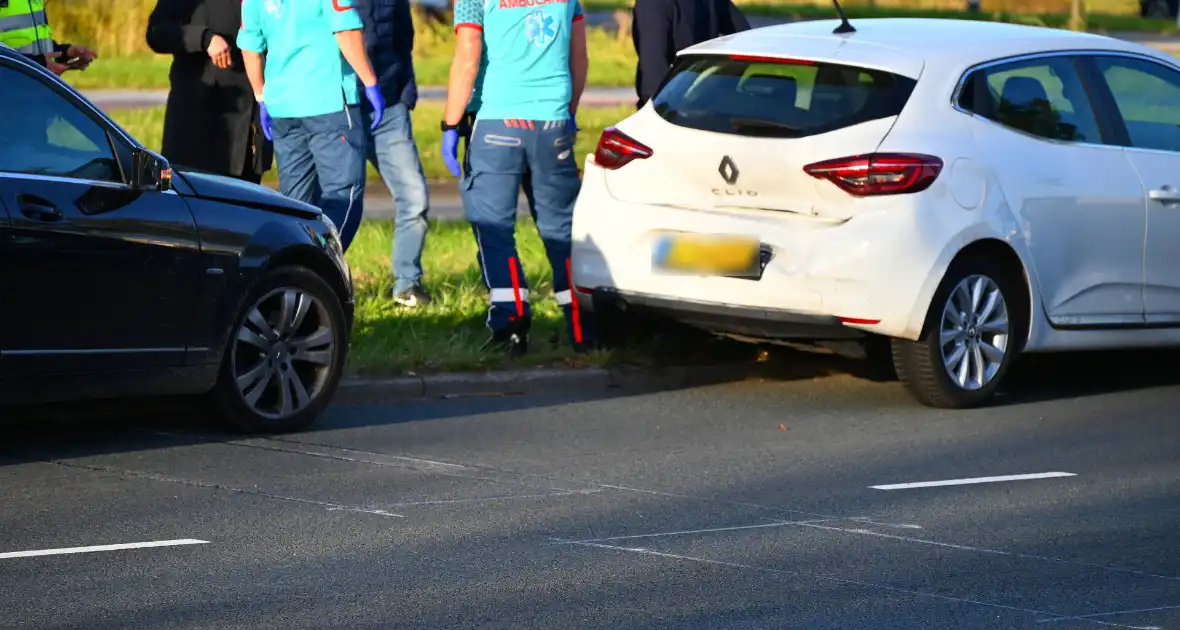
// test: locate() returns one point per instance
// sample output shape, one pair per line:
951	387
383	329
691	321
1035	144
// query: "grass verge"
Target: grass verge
147	126
1099	21
126	63
448	334
612	65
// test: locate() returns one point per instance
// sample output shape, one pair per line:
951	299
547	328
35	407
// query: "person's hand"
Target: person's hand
56	68
571	125
373	93
450	151
219	52
265	119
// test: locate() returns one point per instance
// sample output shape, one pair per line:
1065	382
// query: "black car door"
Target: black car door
97	274
5	240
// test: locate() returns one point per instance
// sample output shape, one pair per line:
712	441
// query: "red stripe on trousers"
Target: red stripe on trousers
516	287
576	316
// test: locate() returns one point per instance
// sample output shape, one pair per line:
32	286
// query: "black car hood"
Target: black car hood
236	191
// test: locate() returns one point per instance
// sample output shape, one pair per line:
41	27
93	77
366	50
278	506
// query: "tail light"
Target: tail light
879	173
616	149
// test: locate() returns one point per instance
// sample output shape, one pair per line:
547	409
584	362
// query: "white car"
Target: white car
965	190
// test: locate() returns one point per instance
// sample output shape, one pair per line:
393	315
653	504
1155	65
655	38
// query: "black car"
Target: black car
122	278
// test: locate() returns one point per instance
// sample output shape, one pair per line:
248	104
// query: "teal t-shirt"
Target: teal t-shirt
305	73
525	68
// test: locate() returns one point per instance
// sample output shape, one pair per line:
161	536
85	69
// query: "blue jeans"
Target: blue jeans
501	156
393	152
322	162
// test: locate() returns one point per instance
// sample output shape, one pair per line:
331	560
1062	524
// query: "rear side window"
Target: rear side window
1147	95
776	98
1042	97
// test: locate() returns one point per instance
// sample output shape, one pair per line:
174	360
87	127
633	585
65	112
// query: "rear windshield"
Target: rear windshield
767	98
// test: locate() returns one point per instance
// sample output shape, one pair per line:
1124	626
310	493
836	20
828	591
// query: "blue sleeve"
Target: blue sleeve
578	11
342	16
250	35
469	13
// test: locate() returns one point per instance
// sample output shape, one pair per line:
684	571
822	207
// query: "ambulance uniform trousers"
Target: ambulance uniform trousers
499	155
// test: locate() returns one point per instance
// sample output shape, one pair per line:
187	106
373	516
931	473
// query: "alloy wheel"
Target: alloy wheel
284	352
974	333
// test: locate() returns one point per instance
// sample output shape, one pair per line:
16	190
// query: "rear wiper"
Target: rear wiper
759	123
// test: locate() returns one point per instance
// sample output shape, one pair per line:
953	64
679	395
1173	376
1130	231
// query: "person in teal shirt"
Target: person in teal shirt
520	67
309	100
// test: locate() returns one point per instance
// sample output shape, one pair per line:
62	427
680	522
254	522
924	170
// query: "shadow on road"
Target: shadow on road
75	431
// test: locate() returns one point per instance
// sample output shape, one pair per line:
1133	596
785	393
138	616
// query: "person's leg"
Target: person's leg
395	155
555	185
490	189
297	173
338	143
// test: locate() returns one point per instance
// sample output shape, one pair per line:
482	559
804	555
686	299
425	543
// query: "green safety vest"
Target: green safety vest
23	26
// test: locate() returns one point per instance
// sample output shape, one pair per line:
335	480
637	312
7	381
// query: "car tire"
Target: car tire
955	364
278	378
616	327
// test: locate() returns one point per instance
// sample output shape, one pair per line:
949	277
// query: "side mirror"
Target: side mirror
150	171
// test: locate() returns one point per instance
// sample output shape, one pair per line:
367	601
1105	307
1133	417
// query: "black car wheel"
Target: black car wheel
970	339
285	356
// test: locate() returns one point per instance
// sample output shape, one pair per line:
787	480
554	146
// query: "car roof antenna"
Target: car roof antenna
844	27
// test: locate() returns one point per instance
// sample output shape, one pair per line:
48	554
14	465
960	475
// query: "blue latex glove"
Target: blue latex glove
373	93
571	125
450	151
264	117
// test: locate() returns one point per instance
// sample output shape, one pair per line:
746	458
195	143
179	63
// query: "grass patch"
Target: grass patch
612	65
1120	16
147	126
115	28
447	335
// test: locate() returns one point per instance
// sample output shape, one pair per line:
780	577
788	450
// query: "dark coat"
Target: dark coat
212	120
389	41
661	28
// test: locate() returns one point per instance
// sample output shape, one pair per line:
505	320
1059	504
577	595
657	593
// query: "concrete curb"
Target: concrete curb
359	390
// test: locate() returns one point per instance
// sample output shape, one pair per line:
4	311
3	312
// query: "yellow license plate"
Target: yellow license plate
707	254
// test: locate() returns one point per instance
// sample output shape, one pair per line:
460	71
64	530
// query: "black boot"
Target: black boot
513	339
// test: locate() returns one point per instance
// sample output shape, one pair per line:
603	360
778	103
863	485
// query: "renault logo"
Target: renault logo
728	170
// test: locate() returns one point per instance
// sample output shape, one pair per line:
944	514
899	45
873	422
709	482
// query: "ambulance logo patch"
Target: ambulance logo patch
540	29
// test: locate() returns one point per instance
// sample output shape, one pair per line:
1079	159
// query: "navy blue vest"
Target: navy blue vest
389	40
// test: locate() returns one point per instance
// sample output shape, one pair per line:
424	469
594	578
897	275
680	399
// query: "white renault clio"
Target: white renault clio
965	190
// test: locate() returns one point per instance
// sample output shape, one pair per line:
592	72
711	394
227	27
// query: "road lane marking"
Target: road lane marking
92	549
876	585
998	552
1110	614
972	480
505	497
693	531
202	484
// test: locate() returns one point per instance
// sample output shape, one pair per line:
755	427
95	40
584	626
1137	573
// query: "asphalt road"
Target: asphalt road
445	204
741	505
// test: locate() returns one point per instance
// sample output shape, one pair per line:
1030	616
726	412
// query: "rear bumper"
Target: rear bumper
760	323
876	271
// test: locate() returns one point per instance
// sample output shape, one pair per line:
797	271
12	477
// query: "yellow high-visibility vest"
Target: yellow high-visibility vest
23	26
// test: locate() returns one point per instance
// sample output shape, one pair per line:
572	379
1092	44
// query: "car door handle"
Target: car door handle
38	209
1167	194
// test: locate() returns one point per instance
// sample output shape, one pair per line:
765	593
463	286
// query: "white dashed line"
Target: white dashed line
963	482
837	580
69	550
